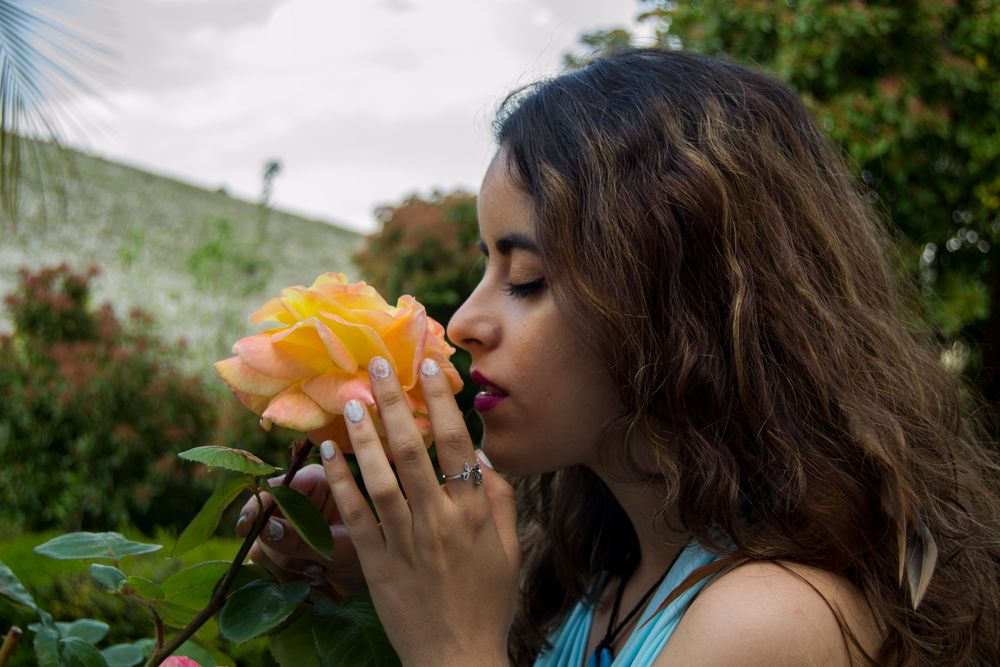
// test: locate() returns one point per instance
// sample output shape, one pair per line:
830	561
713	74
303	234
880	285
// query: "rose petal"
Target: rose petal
241	377
406	339
336	430
355	296
273	311
256	404
302	302
179	661
363	341
293	409
304	342
263	356
333	389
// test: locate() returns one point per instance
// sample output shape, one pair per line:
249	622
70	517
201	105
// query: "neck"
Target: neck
660	541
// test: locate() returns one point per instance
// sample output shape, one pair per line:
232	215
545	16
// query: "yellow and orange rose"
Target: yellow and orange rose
314	358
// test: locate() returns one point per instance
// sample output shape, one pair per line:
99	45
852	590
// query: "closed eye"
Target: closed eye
522	290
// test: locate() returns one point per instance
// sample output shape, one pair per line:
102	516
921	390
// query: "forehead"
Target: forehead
503	207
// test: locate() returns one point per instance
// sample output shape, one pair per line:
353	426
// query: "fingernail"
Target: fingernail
242	521
354	411
379	368
314	575
275	531
327	450
429	367
485	459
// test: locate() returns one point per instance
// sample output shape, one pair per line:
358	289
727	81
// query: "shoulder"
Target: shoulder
772	613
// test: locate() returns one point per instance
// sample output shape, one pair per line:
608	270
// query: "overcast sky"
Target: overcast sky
362	101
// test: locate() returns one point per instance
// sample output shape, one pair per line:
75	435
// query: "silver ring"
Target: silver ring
474	472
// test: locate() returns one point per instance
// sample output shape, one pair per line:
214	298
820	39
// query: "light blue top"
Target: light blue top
569	641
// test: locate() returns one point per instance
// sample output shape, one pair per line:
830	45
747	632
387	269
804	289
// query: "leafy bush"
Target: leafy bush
92	413
67	590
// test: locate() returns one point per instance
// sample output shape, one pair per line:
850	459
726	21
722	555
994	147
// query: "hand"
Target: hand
442	566
281	550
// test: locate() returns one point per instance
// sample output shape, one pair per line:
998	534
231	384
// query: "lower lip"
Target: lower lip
484	401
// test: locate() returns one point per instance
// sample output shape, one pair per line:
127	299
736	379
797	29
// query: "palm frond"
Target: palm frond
50	51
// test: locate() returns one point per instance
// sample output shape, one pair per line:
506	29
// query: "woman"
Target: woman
730	445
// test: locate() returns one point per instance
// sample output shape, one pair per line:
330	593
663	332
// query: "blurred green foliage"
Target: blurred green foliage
66	589
224	259
93	413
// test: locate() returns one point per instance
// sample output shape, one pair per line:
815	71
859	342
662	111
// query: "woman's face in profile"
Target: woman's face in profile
545	396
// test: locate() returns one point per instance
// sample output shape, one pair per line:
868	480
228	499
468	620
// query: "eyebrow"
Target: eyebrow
505	244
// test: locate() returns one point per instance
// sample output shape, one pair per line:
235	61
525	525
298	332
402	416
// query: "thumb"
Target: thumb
503	504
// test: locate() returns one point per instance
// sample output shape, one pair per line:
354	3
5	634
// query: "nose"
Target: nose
473	328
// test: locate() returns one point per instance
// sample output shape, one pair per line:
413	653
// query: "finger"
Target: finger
352	506
291	557
413	464
310	481
451	437
286	569
503	506
379	479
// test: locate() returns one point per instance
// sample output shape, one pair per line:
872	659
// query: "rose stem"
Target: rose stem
300	451
10	643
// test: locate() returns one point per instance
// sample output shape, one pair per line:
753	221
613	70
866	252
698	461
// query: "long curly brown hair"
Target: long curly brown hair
711	240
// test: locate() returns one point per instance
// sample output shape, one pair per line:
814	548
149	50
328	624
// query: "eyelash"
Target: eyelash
522	290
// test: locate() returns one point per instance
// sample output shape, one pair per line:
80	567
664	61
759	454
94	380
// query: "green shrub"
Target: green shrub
92	414
66	589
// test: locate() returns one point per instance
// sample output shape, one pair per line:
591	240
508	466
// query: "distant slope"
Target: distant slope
200	261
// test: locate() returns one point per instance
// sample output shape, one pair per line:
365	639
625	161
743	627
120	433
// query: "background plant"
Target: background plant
93	413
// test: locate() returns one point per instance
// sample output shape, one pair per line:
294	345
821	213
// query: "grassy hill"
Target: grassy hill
200	261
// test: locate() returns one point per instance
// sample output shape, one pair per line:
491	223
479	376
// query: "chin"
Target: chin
518	461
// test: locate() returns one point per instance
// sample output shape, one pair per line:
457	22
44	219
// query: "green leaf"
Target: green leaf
305	517
238	460
200	654
350	634
293	646
250	572
259	607
84	629
93	545
123	655
110	578
146	589
207	519
78	653
187	592
146	646
46	646
12	588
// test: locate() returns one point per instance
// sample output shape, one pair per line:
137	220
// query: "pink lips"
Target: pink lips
491	397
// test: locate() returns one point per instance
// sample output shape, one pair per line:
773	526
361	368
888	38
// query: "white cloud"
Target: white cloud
363	102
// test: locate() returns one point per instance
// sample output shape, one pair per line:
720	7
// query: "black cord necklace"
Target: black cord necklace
603	653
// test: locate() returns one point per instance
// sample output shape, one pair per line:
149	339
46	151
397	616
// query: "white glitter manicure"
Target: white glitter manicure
327	450
354	411
379	368
429	367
